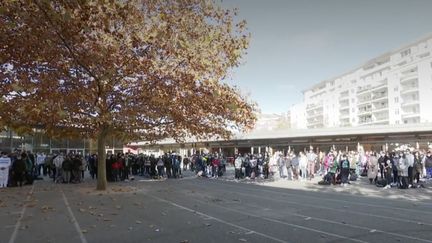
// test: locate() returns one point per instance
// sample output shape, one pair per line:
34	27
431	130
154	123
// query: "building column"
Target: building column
252	150
259	149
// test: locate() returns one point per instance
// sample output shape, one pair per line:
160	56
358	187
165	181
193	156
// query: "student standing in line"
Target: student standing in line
5	163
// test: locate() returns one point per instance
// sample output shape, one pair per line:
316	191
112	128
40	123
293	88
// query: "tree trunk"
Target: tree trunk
101	171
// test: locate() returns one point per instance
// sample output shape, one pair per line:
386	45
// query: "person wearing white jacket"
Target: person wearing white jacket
303	165
237	166
58	162
5	163
410	160
403	171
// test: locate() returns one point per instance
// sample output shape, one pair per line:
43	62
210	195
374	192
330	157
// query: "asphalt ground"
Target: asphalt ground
207	210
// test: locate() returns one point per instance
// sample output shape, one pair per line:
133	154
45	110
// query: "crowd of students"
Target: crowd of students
21	167
401	168
122	167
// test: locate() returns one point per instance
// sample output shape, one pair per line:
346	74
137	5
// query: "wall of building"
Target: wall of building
394	88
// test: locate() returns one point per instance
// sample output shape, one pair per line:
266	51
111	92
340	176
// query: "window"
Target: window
396	88
397	122
396	100
397	112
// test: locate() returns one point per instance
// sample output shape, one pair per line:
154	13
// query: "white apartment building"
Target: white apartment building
394	88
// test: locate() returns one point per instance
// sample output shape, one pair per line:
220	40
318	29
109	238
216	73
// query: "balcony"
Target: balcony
409	90
380	109
364	101
374	122
380	97
410	102
314	106
365	121
344	95
363	90
344	115
409	78
344	104
381	118
344	109
315	123
382	86
314	115
411	120
411	115
364	112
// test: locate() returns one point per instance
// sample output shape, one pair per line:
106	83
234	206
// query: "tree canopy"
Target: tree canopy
140	69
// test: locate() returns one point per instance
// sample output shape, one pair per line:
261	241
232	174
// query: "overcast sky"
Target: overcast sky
297	43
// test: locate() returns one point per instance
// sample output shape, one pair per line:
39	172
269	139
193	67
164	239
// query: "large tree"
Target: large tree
136	69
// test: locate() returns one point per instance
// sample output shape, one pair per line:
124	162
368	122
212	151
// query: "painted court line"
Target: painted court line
18	223
324	220
249	231
284	223
74	220
323	207
335	200
339	210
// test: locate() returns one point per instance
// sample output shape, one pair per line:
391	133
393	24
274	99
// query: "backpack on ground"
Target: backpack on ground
381	183
353	177
324	182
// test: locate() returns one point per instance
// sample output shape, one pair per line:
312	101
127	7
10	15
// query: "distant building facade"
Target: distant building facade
394	88
270	121
297	116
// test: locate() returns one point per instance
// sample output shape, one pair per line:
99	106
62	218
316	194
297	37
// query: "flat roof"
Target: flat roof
307	133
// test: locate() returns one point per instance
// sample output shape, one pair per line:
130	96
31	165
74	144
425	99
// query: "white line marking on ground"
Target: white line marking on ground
322	220
14	213
337	210
218	220
18	223
336	200
75	222
334	209
284	223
